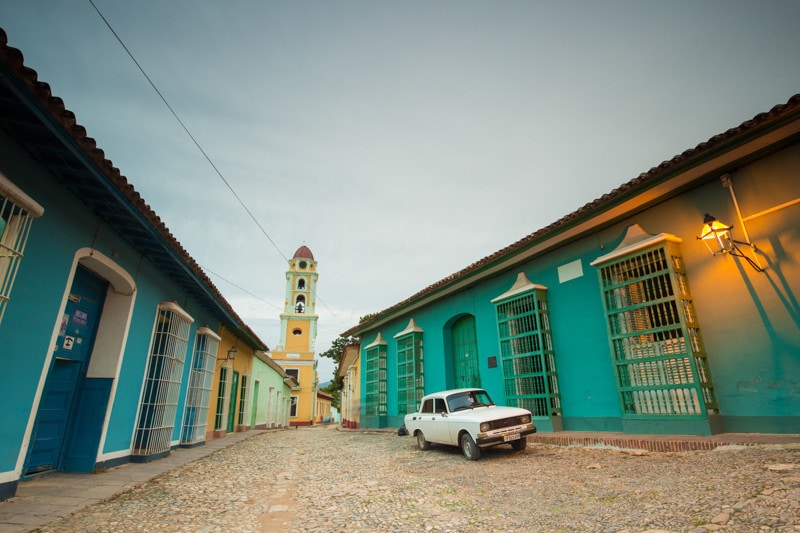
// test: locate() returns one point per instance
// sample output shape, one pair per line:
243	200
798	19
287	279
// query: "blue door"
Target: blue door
68	367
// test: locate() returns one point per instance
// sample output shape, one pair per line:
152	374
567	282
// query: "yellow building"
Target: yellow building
324	404
350	401
230	408
295	352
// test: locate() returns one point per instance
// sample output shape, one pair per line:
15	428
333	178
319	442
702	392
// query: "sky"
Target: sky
399	141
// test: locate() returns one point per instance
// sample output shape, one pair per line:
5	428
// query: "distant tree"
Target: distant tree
334	388
337	348
335	352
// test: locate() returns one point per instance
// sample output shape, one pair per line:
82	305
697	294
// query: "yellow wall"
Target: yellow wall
243	364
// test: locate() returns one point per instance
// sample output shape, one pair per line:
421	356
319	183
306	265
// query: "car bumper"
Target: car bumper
500	439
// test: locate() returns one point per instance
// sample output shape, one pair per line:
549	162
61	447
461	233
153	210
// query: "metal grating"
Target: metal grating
659	359
410	375
220	415
375	372
159	402
242	400
526	350
15	224
198	396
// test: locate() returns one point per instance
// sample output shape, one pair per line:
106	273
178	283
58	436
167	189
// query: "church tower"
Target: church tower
295	352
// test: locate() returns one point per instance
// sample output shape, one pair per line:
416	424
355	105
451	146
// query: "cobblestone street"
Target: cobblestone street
321	479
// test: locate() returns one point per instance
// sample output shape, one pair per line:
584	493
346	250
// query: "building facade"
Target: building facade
637	313
271	394
350	400
108	328
296	352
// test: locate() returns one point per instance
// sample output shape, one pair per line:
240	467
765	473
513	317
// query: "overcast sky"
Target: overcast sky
399	141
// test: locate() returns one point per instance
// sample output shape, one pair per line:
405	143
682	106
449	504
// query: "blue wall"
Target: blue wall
32	313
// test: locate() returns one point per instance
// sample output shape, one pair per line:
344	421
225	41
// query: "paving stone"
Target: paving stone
321	479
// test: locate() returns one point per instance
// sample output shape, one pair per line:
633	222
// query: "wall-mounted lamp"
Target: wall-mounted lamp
718	240
231	353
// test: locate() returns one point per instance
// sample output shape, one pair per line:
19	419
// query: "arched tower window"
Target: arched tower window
301	284
300	304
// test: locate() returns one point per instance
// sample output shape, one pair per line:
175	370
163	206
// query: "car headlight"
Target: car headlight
485	426
526	419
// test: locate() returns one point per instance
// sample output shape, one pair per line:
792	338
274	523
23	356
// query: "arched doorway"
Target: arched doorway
56	416
466	370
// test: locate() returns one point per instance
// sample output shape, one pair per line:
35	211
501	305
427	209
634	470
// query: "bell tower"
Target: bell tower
299	319
295	351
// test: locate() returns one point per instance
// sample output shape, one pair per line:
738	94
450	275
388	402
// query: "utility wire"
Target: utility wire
241	289
206	156
197	144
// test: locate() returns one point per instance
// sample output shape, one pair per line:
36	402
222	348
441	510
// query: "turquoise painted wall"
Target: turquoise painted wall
31	315
749	321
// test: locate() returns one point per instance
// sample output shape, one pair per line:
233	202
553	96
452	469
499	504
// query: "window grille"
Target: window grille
375	382
198	396
293	406
659	358
220	417
410	375
526	350
17	212
159	403
242	400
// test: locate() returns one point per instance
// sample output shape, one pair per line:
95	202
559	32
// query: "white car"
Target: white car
469	419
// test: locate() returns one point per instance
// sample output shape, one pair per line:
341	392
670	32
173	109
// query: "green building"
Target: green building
619	317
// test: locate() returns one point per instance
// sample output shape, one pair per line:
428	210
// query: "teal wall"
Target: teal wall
749	321
32	313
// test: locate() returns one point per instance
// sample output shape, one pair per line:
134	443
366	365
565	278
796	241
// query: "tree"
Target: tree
337	348
334	388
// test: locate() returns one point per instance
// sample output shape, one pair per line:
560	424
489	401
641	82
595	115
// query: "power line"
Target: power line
241	289
208	159
197	144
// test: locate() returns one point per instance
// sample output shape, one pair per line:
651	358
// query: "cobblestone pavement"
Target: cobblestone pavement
321	479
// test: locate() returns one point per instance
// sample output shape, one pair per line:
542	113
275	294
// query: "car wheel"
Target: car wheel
468	447
520	445
422	444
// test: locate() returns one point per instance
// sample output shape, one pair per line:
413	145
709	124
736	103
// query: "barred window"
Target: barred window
375	378
243	401
528	360
198	396
410	369
220	414
658	354
159	404
17	211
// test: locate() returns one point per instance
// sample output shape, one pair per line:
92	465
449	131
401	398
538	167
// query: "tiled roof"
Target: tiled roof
715	144
304	253
50	133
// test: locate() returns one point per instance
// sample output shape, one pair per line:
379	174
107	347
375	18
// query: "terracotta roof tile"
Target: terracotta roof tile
641	181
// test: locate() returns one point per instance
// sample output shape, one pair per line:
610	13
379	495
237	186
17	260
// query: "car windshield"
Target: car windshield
468	400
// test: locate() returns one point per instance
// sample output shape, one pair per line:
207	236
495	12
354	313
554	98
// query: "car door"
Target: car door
439	431
428	419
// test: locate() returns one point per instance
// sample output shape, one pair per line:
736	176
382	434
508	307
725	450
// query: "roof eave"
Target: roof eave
765	133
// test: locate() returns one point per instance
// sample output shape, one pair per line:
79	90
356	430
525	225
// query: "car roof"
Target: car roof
453	391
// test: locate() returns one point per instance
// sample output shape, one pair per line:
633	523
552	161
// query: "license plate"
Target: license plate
507	438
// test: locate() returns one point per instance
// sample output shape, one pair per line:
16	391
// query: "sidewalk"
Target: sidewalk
45	499
48	498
